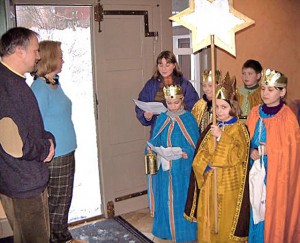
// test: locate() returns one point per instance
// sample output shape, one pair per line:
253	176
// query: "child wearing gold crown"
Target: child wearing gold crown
220	166
275	168
174	138
202	110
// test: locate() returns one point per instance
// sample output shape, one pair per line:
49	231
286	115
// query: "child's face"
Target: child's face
207	89
174	104
250	77
222	110
271	96
165	68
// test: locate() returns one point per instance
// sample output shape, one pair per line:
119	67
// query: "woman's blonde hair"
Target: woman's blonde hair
49	53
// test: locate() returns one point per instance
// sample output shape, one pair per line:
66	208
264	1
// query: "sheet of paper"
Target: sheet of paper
154	107
169	153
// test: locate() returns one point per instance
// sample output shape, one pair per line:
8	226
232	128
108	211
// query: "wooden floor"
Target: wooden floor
142	221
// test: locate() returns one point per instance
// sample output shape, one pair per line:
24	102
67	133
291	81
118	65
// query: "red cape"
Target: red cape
282	221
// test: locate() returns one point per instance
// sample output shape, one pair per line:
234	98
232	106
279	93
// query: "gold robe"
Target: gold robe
248	99
230	163
201	114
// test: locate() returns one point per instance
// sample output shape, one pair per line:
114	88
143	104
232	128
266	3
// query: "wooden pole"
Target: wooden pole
213	73
214	120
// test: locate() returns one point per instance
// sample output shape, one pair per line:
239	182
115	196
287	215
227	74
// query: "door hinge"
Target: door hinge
129	196
110	207
99	13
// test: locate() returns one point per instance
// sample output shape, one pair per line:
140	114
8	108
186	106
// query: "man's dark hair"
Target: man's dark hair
18	36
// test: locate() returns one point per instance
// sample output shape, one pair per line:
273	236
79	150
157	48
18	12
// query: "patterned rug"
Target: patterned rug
115	229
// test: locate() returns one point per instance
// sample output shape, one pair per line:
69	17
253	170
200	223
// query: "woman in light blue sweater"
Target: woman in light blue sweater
56	110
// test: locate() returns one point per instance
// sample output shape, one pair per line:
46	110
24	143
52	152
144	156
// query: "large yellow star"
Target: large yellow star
213	17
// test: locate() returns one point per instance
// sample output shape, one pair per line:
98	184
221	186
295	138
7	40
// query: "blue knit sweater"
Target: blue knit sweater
56	110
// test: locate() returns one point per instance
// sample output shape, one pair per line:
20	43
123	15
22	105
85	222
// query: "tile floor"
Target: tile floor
142	221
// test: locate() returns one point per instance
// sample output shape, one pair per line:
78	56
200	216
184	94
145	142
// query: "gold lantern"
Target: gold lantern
151	164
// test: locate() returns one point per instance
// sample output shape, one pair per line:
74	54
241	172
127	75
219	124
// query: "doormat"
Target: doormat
114	229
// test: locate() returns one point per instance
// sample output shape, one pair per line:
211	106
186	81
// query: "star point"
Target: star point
213	17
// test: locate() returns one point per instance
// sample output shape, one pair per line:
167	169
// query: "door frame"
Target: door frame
164	39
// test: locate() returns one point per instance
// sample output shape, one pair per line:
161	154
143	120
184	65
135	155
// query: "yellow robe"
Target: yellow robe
230	162
201	114
252	99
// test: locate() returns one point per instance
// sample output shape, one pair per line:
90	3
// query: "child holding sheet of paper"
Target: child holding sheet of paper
174	138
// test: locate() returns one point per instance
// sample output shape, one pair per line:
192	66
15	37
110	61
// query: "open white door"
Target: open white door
126	50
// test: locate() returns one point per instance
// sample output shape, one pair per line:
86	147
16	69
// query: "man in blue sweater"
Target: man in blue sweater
24	144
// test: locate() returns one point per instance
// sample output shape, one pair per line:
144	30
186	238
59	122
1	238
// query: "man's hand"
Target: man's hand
51	151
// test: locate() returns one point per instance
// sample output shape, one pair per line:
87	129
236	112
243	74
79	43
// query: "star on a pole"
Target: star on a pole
213	17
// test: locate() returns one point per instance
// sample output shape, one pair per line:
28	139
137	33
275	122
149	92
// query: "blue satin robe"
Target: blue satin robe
168	189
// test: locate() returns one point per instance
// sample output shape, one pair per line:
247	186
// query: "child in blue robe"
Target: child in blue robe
174	139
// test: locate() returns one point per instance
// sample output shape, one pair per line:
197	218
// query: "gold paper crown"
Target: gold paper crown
226	89
274	78
173	92
207	76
